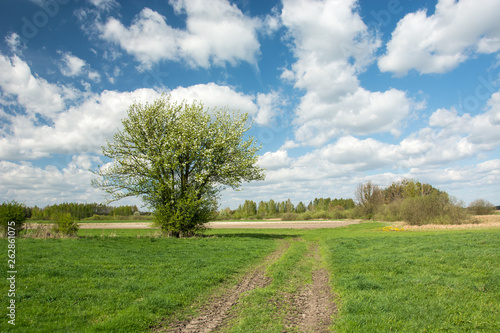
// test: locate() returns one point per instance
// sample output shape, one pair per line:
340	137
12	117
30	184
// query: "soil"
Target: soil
313	306
230	225
282	224
217	310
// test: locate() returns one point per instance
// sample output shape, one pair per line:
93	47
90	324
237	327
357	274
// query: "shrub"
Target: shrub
391	212
356	213
187	217
434	208
338	214
320	215
65	224
306	216
289	217
421	210
12	212
481	207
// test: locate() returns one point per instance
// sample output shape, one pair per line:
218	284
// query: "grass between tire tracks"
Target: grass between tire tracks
383	281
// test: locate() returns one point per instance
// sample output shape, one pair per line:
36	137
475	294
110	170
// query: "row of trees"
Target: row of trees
78	210
271	208
416	203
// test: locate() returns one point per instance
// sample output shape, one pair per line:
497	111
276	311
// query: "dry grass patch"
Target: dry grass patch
483	221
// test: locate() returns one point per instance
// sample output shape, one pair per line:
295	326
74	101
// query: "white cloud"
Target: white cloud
35	94
72	65
149	39
274	160
84	128
334	103
362	112
438	43
262	108
68	181
14	42
331	29
104	4
34	185
94	76
216	33
80	129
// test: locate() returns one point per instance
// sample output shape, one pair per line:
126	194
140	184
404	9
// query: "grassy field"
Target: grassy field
126	280
119	284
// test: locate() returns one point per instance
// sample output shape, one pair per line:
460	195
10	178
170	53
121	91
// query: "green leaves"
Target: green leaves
177	154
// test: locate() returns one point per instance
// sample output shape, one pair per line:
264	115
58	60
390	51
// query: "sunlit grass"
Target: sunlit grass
130	279
118	283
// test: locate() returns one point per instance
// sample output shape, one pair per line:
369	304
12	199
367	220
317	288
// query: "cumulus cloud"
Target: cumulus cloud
262	107
34	93
84	128
274	160
333	45
216	33
149	39
35	185
80	129
71	65
437	43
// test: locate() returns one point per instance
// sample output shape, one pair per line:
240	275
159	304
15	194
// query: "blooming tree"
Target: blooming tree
178	157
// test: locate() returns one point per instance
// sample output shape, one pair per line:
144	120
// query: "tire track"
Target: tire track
213	313
313	306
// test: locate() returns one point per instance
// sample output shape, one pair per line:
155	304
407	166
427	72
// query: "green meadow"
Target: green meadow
133	281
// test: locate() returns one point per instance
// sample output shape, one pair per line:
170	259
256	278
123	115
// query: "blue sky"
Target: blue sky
340	92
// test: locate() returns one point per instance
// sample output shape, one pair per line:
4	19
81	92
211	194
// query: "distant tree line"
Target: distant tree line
271	208
78	210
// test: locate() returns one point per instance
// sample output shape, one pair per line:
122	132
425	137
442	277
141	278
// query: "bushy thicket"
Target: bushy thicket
65	224
410	201
79	210
481	207
12	212
407	200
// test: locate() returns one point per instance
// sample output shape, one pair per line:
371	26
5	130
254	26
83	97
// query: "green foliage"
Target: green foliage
301	208
323	207
185	217
12	212
408	188
306	216
79	210
432	209
390	212
290	217
173	155
481	207
409	201
65	224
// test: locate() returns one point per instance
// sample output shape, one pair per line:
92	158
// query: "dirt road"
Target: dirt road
232	225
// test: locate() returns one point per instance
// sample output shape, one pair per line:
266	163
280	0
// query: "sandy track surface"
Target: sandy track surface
231	225
281	224
129	225
216	312
312	306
